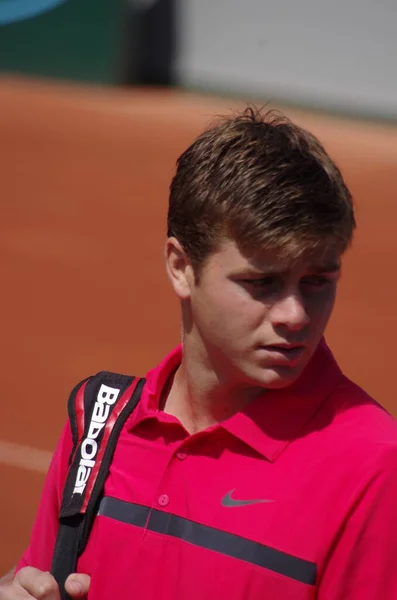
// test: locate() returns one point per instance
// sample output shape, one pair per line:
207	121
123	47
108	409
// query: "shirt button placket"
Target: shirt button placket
163	500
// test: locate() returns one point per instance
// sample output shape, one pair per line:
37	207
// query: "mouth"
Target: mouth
284	353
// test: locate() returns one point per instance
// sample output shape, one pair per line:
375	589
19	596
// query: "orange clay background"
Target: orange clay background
84	184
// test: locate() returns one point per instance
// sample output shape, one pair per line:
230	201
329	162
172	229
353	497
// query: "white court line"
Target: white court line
24	457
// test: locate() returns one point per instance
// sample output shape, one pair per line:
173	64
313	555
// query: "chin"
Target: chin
275	378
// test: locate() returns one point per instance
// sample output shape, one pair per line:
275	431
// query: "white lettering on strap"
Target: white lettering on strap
106	397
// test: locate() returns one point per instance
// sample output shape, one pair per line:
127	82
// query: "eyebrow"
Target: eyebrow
330	268
324	268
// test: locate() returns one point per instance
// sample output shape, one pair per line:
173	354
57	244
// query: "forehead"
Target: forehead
230	257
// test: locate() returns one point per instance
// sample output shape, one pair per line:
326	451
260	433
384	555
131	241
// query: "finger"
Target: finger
39	584
77	585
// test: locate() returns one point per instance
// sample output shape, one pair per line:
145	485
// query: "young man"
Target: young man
252	467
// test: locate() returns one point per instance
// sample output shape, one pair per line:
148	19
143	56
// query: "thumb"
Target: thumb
77	585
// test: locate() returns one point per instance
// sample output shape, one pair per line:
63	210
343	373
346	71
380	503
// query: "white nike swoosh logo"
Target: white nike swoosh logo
12	11
230	502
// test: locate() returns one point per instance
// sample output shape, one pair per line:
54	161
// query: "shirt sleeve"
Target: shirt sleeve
362	564
45	528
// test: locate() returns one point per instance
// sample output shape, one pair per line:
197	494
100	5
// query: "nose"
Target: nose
290	312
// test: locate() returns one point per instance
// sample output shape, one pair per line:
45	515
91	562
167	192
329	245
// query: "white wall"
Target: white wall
338	54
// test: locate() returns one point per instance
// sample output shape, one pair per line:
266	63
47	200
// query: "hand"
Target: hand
32	583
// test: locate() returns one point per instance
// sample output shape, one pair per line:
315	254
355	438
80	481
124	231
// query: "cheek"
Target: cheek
320	308
230	309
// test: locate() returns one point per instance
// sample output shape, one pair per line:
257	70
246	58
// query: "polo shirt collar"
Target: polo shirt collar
271	421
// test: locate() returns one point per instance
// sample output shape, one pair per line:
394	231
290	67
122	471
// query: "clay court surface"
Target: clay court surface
84	183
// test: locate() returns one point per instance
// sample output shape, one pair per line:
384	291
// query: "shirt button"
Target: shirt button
181	455
163	500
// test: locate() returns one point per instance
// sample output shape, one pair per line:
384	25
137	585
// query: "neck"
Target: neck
199	396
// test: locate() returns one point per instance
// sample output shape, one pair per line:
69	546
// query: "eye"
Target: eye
260	283
317	281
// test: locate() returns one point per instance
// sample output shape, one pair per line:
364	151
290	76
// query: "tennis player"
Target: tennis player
252	467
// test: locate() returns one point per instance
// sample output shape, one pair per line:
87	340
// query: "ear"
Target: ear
179	268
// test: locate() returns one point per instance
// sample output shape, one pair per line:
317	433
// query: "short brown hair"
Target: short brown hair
263	181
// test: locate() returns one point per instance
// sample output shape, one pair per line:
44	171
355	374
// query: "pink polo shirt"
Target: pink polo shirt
295	497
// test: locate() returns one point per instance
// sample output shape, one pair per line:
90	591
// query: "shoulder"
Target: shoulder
363	430
358	410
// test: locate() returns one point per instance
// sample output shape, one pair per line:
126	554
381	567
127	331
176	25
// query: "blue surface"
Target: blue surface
12	11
